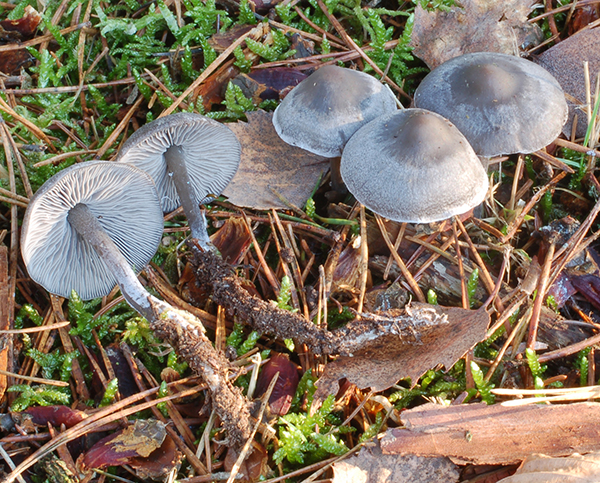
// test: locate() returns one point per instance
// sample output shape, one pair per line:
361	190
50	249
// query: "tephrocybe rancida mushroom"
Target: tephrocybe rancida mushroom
413	166
190	157
501	103
89	227
322	113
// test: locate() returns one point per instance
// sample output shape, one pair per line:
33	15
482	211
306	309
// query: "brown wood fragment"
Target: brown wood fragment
482	434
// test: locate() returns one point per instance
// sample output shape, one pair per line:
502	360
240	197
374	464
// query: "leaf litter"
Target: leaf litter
297	278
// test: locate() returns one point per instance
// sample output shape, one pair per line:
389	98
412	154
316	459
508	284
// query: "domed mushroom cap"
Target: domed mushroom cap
413	166
124	200
501	103
211	150
322	112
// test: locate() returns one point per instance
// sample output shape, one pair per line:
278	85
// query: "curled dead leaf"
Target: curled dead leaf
271	166
388	360
473	26
372	466
540	468
140	439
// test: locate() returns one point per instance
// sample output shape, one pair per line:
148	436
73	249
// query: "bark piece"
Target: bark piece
482	434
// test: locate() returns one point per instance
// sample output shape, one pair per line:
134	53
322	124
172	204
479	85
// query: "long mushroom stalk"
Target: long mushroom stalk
180	328
89	228
191	159
77	235
177	170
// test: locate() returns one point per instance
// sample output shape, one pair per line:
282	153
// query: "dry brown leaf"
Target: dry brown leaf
565	62
285	387
140	439
481	434
545	469
158	464
473	26
389	360
268	165
372	466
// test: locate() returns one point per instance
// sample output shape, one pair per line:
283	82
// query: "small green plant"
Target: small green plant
54	361
442	5
305	390
484	387
438	384
236	104
27	311
41	395
180	367
111	393
432	297
285	294
163	392
241	344
299	441
582	364
279	50
472	283
246	15
81	316
537	370
373	430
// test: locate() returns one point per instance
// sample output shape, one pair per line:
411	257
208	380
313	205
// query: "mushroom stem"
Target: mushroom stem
89	228
177	170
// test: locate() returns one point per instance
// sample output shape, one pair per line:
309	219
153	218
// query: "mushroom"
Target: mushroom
322	112
191	159
413	166
501	103
91	226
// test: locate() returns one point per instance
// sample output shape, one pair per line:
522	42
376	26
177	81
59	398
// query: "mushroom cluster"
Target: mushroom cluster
420	165
104	220
97	223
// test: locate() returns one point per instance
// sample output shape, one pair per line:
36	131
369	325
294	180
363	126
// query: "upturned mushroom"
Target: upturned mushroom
191	158
91	226
413	166
501	103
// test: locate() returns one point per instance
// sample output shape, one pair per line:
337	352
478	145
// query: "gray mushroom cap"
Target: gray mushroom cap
413	166
322	112
501	103
211	149
124	200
